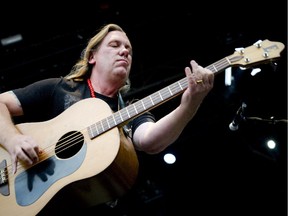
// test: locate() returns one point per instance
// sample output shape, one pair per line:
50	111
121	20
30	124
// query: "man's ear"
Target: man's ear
91	59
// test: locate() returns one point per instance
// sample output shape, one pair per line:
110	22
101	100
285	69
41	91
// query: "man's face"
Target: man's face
113	58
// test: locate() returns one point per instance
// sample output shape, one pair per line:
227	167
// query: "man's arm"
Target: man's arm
18	145
155	137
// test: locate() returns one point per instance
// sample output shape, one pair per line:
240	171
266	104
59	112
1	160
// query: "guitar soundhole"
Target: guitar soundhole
69	144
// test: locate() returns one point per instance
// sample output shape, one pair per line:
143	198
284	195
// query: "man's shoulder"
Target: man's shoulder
70	82
62	81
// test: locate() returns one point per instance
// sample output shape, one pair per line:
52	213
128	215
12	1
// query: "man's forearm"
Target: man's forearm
6	125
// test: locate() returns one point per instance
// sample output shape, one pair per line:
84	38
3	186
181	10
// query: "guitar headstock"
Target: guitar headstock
259	53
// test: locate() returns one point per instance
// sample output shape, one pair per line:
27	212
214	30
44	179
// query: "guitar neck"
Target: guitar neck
163	95
148	103
260	52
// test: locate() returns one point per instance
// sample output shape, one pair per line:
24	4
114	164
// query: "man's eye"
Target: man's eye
114	44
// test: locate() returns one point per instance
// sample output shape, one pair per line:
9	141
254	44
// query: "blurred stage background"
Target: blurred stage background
217	171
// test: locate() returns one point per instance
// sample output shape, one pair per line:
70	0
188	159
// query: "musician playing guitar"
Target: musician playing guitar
53	108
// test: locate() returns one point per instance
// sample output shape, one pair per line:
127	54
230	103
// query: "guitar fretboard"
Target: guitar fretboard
147	103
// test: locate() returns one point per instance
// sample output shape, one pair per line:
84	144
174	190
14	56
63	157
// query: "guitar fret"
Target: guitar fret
175	88
124	114
121	116
111	120
143	104
219	65
105	124
114	119
163	93
127	112
151	100
147	103
103	128
160	95
90	131
169	90
156	98
180	85
131	110
98	127
215	69
135	108
139	106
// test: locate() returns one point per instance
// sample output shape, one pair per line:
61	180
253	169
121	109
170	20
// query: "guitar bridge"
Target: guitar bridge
4	189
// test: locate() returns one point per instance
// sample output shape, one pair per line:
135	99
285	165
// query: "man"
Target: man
102	72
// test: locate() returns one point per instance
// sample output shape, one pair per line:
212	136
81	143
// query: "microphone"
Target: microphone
234	125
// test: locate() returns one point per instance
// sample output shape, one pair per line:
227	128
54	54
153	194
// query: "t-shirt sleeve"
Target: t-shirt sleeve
36	97
146	117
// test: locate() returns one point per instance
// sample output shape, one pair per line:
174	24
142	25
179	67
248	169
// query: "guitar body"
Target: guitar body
97	170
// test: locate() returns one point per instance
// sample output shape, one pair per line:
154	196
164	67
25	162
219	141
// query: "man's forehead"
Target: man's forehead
117	35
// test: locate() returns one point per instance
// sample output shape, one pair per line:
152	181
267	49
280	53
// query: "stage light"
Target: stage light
169	158
11	40
228	76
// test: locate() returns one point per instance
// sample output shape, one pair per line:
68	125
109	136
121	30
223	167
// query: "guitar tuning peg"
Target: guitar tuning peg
258	43
265	54
240	50
247	60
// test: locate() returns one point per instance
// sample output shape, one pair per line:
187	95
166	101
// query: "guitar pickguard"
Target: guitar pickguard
31	184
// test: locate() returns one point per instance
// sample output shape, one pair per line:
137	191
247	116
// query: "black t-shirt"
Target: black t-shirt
46	99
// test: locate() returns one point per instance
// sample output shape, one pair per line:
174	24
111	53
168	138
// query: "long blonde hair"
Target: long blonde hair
82	69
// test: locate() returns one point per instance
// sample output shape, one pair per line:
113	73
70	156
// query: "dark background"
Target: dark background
218	171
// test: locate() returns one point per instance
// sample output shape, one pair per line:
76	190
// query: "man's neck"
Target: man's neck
105	88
